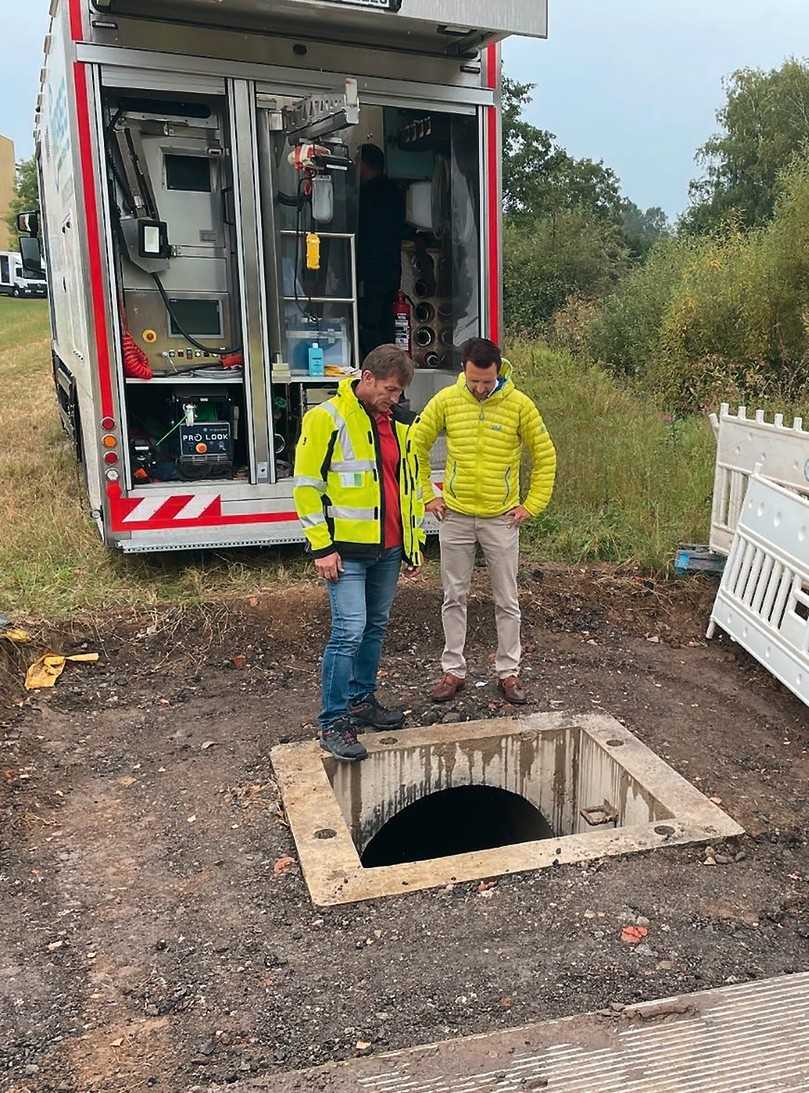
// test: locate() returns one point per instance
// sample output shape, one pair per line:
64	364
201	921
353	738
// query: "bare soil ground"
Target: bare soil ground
148	943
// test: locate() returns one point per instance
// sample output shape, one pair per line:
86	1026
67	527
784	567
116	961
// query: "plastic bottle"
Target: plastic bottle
317	363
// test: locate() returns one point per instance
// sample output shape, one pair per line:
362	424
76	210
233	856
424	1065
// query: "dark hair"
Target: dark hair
389	360
482	352
373	156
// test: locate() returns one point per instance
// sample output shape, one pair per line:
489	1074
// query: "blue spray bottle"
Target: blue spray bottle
317	365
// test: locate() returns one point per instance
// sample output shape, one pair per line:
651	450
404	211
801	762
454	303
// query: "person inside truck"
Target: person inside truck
380	233
355	495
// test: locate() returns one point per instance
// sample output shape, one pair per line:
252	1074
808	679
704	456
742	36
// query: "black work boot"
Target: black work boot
340	740
371	714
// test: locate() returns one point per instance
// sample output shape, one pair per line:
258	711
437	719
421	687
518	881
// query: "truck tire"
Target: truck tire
16	292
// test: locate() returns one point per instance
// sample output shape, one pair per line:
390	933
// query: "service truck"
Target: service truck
199	185
15	281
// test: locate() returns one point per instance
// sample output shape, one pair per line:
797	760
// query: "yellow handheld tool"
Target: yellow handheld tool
312	251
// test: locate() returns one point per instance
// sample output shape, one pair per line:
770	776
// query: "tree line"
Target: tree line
714	306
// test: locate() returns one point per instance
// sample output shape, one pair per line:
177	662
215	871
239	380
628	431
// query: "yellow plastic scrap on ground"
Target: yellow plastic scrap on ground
15	635
46	669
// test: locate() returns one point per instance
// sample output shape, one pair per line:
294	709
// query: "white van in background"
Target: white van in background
14	281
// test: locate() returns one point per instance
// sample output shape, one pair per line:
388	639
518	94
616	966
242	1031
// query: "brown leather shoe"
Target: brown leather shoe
512	690
447	687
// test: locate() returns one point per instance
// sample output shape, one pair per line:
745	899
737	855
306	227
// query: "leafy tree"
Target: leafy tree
765	124
26	192
643	229
551	258
540	178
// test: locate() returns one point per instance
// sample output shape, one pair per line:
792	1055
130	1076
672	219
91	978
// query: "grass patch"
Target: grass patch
631	487
52	562
632	484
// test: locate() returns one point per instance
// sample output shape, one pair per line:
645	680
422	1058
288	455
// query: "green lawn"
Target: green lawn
630	488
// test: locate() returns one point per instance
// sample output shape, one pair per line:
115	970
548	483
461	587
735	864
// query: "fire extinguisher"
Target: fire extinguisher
403	321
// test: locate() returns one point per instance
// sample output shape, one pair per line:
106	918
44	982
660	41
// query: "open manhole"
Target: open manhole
454	803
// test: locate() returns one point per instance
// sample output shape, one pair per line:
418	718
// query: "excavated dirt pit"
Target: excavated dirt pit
454	803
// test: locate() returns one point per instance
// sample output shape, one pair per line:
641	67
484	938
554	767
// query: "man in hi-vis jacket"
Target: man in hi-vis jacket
360	502
488	425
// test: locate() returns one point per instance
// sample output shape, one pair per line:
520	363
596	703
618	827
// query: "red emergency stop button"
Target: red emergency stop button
202	448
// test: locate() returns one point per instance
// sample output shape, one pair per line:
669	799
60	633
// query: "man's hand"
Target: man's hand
437	508
517	517
330	567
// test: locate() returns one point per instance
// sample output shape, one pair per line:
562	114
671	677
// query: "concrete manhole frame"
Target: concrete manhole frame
331	863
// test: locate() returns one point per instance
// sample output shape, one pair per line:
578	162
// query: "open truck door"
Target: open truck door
207	226
419	26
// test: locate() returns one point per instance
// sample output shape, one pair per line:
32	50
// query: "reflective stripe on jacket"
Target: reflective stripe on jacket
338	489
485	441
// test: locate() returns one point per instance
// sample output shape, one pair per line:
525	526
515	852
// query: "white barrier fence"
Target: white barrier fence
763	601
741	444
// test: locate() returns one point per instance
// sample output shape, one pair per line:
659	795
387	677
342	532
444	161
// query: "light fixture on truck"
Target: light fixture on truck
153	241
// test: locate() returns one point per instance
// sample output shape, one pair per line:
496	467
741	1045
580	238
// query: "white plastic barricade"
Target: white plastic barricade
763	600
742	442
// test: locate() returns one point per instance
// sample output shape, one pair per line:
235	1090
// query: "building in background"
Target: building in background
8	239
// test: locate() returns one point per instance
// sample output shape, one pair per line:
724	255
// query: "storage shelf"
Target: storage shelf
319	380
188	377
303	298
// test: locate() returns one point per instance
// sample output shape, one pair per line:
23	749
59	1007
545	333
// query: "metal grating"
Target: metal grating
750	1038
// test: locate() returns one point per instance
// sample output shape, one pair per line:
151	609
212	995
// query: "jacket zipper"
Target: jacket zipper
380	478
452	478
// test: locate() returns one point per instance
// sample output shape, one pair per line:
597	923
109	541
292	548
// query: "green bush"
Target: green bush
626	334
736	325
548	259
570	327
722	316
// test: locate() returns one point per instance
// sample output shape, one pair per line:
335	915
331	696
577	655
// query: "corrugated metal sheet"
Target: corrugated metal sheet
750	1038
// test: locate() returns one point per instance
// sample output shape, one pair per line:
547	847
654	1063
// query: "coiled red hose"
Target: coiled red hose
136	363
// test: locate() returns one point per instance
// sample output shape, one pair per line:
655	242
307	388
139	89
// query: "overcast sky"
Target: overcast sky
633	82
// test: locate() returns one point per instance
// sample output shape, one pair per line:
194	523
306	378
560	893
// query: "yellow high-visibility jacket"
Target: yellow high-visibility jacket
484	449
338	489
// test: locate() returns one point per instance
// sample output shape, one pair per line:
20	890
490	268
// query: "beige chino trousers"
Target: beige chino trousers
459	535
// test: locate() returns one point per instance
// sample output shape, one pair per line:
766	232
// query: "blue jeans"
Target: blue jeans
360	608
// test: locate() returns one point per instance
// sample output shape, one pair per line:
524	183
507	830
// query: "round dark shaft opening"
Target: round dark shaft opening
456	821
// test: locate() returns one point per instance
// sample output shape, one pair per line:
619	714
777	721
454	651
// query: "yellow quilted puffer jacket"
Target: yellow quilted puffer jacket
484	449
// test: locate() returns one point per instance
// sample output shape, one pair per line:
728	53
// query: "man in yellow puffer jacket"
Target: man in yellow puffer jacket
488	424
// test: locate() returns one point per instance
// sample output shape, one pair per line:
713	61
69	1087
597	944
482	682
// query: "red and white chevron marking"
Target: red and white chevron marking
168	511
170	507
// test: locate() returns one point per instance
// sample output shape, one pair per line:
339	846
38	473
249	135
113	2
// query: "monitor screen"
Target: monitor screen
190	173
200	318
